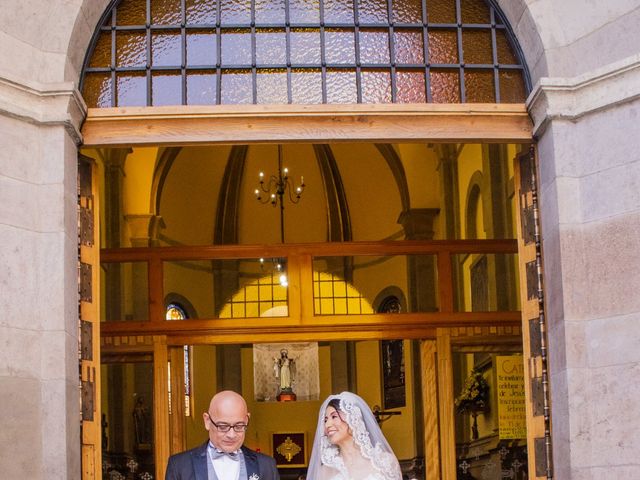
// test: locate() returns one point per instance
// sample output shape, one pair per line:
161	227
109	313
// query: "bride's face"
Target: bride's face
336	430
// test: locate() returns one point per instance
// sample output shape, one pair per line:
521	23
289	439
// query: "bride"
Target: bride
349	444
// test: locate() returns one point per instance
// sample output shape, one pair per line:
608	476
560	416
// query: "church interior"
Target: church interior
258	267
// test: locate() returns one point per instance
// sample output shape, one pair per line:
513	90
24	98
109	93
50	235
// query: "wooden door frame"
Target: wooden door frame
224	124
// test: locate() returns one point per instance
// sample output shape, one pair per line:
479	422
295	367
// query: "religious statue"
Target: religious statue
142	424
285	370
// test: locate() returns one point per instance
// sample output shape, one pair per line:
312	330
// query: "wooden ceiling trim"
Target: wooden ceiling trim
226	124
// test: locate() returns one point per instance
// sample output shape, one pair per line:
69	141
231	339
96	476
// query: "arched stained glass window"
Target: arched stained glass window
175	311
207	52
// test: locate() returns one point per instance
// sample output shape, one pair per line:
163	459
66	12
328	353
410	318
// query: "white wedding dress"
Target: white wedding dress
377	461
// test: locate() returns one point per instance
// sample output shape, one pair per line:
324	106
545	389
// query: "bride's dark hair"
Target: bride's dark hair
335	403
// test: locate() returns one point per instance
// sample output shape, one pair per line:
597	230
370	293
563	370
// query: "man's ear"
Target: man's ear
248	417
204	419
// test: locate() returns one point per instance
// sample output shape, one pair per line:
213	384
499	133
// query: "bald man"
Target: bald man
223	457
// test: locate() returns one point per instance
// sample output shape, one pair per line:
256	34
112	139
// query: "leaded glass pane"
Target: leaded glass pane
512	89
166	12
236	47
505	52
476	45
376	86
338	11
341	86
97	90
441	11
270	11
373	11
408	46
479	86
102	52
202	48
445	86
271	47
305	47
201	12
131	12
306	86
407	11
331	43
304	11
374	46
131	89
234	12
237	87
339	46
443	46
131	49
474	11
201	88
410	86
272	86
166	88
166	49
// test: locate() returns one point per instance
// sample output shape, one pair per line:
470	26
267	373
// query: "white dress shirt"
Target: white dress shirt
225	467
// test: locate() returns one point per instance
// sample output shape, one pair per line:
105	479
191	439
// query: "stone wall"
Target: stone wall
585	64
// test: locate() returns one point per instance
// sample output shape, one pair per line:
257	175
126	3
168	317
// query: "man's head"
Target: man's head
227	411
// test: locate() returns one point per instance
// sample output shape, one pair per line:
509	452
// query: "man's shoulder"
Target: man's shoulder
197	451
261	457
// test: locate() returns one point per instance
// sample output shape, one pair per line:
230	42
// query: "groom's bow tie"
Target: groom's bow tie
215	454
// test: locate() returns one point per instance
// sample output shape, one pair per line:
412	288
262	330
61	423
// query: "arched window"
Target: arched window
207	52
175	311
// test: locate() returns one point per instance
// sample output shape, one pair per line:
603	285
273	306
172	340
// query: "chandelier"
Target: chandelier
276	188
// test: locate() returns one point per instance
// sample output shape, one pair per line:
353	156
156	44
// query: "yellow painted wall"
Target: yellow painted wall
138	175
372	195
190	194
421	168
194	281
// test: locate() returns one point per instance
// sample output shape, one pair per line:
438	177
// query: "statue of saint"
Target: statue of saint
284	369
142	423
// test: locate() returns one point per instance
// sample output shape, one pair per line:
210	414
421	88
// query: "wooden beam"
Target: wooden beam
430	403
445	406
389	325
194	125
406	247
161	431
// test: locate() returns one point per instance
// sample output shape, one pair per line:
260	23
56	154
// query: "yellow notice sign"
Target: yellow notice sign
511	402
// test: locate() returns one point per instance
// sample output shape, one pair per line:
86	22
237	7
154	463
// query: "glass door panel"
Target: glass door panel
490	420
127	418
385	373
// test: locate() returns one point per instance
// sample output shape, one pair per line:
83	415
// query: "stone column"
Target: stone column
142	229
39	381
418	225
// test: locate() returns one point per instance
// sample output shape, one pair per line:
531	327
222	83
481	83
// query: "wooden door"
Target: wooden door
537	394
89	317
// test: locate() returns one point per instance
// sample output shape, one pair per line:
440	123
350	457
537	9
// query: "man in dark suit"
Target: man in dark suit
223	457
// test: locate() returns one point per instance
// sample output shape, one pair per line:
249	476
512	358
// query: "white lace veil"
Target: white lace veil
326	462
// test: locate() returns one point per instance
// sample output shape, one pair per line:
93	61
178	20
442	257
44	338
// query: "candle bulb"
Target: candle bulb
301	180
286	171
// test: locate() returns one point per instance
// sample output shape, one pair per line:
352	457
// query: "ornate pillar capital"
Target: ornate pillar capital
418	223
143	229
